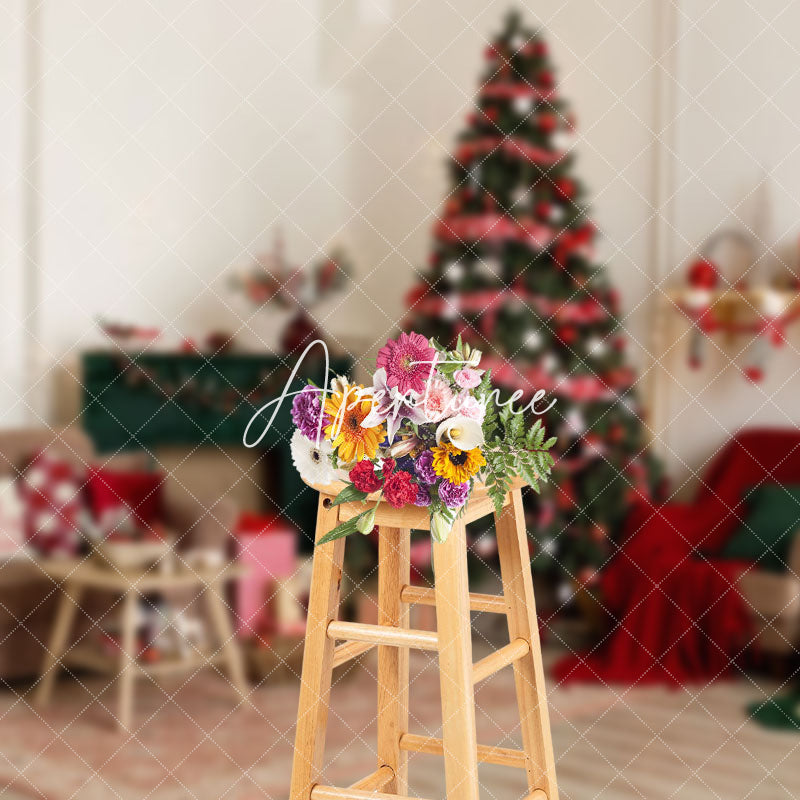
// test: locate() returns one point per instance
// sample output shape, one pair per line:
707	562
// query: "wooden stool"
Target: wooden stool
76	577
453	642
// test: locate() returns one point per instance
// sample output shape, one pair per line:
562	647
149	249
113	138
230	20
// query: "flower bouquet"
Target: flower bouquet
424	434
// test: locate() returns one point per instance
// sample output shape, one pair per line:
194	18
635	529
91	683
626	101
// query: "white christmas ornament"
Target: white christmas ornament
574	421
451	307
454	271
565	593
773	303
523	104
520	194
549	546
596	347
549	363
533	340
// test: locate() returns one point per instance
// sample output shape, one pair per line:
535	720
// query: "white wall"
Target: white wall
735	136
173	137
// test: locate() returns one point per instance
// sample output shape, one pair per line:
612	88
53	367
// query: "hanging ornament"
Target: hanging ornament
545	79
474	177
565	188
523	104
703	277
532	341
757	357
452	306
549	363
491	265
546	121
540	48
562	140
454	271
549	547
596	347
574	423
565	593
520	194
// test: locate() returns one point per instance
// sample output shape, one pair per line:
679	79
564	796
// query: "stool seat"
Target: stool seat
452	643
478	506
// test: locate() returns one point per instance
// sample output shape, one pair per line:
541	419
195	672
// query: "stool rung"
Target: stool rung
375	781
501	657
347	652
487	754
537	794
383	634
320	792
491	603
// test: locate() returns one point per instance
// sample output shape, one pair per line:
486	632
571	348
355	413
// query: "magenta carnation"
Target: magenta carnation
454	495
306	412
423	496
423	466
408	362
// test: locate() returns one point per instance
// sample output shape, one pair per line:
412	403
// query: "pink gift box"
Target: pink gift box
267	546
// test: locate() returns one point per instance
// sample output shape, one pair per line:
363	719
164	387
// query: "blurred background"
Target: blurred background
601	197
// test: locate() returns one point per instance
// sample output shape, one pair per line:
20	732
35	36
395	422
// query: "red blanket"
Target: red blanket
680	616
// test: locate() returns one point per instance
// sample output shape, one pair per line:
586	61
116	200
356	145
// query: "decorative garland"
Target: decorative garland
509	145
502	228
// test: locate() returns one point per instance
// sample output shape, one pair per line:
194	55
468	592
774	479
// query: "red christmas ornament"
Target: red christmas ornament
616	433
546	122
540	48
543	210
452	206
565	187
565	496
703	274
587	576
599	532
545	79
754	374
492	113
568	334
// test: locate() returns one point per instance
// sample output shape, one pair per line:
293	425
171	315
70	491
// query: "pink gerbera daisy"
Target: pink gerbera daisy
408	362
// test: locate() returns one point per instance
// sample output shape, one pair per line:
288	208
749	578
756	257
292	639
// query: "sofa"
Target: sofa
27	597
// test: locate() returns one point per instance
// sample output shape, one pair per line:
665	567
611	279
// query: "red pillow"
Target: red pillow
110	490
51	494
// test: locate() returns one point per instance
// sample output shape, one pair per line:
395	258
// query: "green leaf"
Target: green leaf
345	529
348	495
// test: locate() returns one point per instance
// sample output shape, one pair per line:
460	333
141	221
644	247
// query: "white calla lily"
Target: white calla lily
462	432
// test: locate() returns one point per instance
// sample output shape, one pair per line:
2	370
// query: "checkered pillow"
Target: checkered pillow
50	491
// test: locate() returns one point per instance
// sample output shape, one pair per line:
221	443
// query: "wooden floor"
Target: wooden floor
645	743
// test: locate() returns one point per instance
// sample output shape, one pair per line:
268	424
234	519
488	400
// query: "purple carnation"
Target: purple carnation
423	496
307	410
454	495
423	466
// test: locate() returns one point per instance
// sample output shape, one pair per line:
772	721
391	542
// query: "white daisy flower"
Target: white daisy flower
312	462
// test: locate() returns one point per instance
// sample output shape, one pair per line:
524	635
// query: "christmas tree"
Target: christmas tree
512	272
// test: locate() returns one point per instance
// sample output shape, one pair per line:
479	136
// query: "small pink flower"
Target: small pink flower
408	361
468	406
437	401
468	378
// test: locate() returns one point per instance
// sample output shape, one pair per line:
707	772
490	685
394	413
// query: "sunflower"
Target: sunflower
454	465
347	410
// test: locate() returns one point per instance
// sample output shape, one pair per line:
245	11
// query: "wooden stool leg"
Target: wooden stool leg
128	658
315	683
223	629
59	638
515	567
394	572
455	665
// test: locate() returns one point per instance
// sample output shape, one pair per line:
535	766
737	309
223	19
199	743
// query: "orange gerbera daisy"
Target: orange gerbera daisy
347	410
